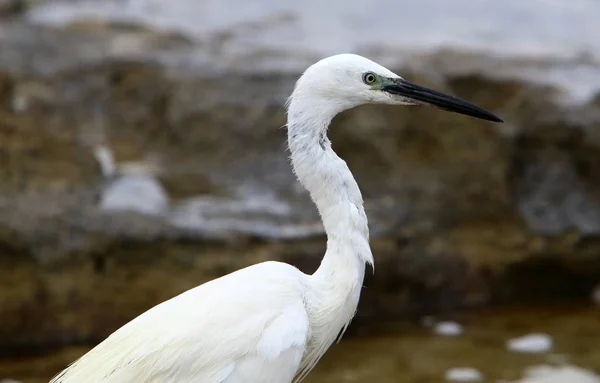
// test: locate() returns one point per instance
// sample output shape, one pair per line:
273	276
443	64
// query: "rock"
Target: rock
531	344
11	7
138	193
558	374
462	213
463	374
448	328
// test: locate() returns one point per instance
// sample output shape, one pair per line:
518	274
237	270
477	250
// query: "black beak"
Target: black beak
414	92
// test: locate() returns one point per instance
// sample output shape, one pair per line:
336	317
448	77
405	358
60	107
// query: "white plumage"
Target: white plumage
271	323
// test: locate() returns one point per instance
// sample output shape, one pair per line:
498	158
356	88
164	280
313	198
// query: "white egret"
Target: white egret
271	323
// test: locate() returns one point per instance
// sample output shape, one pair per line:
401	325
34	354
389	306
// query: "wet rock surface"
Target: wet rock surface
462	212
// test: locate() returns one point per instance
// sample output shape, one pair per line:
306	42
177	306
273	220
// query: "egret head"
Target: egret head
347	80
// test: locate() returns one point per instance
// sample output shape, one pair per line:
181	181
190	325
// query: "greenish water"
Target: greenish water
410	352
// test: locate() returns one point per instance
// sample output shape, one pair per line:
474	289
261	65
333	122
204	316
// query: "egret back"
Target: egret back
249	326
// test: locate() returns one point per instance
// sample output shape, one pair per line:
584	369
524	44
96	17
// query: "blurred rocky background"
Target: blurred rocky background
142	152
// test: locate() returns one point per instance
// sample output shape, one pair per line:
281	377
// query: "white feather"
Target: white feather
209	333
267	323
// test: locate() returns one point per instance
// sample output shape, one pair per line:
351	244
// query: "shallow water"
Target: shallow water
417	355
411	352
532	28
557	38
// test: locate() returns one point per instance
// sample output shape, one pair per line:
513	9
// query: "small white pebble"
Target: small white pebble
448	328
531	344
19	105
141	193
562	374
463	374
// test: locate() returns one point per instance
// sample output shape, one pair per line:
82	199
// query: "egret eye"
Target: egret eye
369	78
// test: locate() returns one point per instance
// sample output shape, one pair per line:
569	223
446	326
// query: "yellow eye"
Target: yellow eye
369	78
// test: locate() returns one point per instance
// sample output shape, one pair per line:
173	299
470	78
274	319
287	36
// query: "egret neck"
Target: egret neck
335	286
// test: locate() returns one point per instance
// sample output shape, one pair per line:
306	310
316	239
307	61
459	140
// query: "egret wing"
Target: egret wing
249	326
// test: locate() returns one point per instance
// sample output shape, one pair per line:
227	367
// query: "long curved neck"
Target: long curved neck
334	289
333	189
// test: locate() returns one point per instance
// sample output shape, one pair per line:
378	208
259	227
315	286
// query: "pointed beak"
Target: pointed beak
413	92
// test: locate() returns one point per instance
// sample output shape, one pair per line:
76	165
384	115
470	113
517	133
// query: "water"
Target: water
418	355
410	352
558	38
533	28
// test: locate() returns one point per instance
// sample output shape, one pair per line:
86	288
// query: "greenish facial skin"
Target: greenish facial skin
409	93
